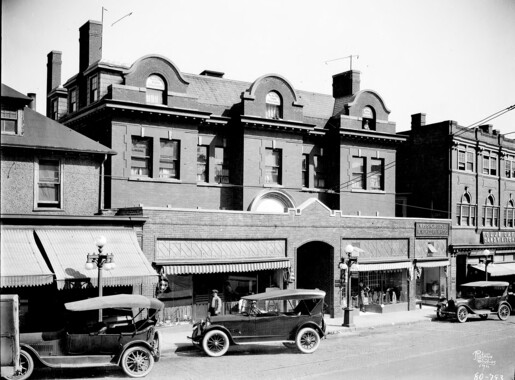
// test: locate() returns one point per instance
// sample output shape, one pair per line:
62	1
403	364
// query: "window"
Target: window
273	105
465	212
489	163
9	120
368	117
72	107
510	166
376	175
358	172
305	170
509	215
465	158
54	112
221	166
169	159
49	183
140	156
273	163
319	168
93	89
202	163
490	213
156	93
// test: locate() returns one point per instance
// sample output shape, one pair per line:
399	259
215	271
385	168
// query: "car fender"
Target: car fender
221	328
117	358
34	354
504	303
469	309
311	324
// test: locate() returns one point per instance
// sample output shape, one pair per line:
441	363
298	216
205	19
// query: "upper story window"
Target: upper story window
509	214
489	163
156	90
273	166
465	158
377	174
141	156
72	106
10	119
509	162
54	111
319	171
169	159
93	88
358	172
490	213
466	212
274	108
305	170
48	192
221	166
368	117
202	163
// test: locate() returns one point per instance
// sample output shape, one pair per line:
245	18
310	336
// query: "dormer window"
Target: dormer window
274	106
9	120
156	93
72	106
369	118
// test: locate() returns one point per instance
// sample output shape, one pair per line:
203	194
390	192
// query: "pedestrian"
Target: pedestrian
216	304
362	295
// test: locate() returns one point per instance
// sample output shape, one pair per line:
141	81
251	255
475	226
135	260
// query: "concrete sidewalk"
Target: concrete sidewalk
175	336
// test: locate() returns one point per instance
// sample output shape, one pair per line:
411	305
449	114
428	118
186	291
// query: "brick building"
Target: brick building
468	176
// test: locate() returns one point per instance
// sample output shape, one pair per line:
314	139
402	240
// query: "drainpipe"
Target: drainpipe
101	186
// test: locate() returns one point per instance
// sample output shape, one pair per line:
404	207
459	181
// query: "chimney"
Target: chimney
486	128
53	71
90	44
418	120
32	104
346	83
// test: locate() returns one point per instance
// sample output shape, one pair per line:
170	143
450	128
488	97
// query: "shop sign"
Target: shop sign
431	229
498	237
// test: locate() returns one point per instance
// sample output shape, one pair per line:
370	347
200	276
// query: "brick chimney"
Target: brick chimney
32	104
346	83
418	120
53	70
90	44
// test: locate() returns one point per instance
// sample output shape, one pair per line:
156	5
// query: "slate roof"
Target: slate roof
8	92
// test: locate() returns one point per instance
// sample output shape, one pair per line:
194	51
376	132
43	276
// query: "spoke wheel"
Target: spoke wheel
504	312
462	314
307	340
26	365
137	361
156	345
215	343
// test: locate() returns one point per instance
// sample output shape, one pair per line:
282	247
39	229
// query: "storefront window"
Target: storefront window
386	287
431	285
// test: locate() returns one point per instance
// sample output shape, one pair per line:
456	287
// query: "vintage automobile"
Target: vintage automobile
481	298
124	338
294	317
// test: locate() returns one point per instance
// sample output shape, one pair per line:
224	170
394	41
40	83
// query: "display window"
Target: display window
431	284
381	287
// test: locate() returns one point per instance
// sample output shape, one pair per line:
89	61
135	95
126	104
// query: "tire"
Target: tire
462	314
504	312
307	340
438	315
291	346
156	344
137	361
27	366
483	316
215	343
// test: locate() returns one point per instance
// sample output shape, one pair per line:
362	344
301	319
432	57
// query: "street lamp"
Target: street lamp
345	265
102	260
488	261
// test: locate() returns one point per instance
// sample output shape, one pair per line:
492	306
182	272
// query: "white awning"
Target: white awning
367	267
221	267
432	263
497	269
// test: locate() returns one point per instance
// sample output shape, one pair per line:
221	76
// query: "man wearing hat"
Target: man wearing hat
216	303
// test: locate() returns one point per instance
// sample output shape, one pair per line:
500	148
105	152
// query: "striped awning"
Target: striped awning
225	267
22	262
67	251
497	269
368	267
433	263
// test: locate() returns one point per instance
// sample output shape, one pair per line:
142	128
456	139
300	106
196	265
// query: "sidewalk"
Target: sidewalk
175	336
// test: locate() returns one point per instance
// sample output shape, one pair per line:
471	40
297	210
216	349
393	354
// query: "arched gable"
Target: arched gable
368	98
269	79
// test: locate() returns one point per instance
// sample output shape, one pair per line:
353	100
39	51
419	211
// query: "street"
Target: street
475	350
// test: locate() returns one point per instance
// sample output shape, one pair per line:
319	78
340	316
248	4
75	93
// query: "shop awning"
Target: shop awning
224	267
367	267
67	250
21	262
497	269
432	263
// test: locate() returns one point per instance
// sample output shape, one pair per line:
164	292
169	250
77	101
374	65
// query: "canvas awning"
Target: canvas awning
421	263
67	251
21	262
368	267
224	267
497	269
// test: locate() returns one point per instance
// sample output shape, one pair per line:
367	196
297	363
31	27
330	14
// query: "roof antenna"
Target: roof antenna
347	57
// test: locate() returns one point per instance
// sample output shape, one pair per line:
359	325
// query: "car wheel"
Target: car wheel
307	340
137	361
462	314
291	346
156	345
503	312
215	343
26	367
483	316
438	314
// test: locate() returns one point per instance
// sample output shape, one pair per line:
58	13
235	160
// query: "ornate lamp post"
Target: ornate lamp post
488	261
102	260
345	265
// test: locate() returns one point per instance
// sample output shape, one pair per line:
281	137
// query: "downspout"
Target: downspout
101	186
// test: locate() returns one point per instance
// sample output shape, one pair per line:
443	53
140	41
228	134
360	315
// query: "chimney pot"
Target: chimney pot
32	104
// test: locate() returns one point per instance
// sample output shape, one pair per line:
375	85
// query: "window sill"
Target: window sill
317	190
214	184
149	179
46	209
368	191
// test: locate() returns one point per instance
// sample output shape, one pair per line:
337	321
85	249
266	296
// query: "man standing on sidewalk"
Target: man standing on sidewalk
216	303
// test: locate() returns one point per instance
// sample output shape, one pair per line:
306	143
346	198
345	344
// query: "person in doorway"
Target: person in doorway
362	293
215	306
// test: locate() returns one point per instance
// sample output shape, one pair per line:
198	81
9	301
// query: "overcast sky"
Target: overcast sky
450	59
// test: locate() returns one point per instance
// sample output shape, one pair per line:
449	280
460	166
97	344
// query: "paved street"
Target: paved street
433	350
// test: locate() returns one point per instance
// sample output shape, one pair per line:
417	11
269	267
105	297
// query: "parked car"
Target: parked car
10	335
294	317
481	298
123	338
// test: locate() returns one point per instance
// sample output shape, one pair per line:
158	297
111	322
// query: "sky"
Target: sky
449	59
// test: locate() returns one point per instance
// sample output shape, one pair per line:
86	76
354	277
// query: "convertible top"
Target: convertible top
116	301
481	284
287	294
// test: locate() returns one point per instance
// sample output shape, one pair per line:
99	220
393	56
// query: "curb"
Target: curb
378	327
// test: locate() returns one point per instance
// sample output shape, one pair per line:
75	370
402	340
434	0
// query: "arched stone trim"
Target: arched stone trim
147	65
277	195
251	92
372	92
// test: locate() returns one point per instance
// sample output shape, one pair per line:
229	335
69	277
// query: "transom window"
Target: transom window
273	166
489	163
376	174
509	162
202	163
49	183
169	159
9	120
141	156
72	107
274	105
221	165
466	212
465	158
509	214
93	89
490	213
320	171
358	172
156	90
305	170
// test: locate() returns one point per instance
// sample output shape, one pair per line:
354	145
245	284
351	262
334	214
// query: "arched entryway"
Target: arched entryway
315	270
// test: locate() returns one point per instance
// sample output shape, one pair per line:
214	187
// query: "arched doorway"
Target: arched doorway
315	270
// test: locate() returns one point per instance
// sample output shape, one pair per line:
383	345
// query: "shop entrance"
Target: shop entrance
315	269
